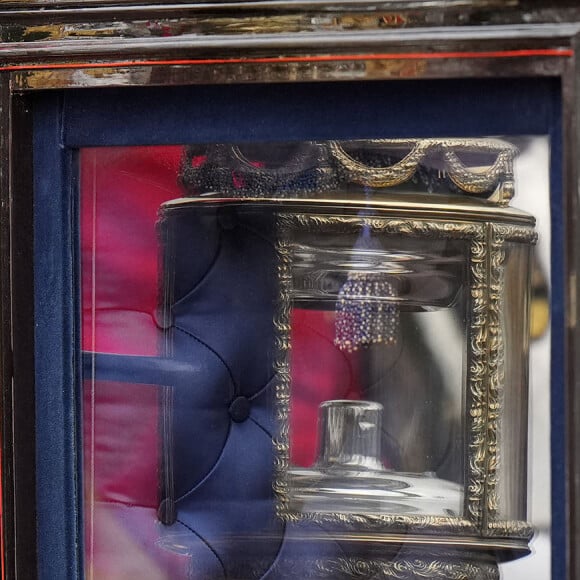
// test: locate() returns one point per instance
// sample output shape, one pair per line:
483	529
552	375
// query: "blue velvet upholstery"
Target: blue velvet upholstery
222	415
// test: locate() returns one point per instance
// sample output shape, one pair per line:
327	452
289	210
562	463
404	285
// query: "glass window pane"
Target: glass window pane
280	338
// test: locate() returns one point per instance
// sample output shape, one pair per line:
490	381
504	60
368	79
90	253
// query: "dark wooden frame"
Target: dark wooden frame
86	43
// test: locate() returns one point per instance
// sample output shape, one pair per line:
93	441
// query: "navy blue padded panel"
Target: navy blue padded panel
222	484
558	379
346	110
242	113
56	348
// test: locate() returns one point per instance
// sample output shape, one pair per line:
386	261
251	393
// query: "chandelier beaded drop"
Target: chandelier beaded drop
365	315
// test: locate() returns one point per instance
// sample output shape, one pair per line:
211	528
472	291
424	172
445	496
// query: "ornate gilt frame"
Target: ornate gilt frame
484	369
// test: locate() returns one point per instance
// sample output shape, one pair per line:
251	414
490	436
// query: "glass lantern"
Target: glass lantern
353	328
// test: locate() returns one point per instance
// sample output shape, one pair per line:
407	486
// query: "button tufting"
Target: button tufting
227	218
239	409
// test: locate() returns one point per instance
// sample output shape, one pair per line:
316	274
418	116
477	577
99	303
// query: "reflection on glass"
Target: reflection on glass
514	428
533	179
373	304
349	476
193	449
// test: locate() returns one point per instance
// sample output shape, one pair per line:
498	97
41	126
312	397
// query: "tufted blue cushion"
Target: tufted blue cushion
220	307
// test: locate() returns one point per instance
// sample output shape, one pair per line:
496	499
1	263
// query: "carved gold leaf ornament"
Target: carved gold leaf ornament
478	182
426	565
477	369
496	370
495	179
389	176
282	370
482	167
509	529
405	564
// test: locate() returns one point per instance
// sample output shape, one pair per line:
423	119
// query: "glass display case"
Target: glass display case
288	290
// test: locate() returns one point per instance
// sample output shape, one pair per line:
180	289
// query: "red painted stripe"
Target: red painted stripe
552	52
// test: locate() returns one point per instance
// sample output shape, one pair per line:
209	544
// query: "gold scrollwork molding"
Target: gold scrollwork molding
495	179
409	567
510	529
